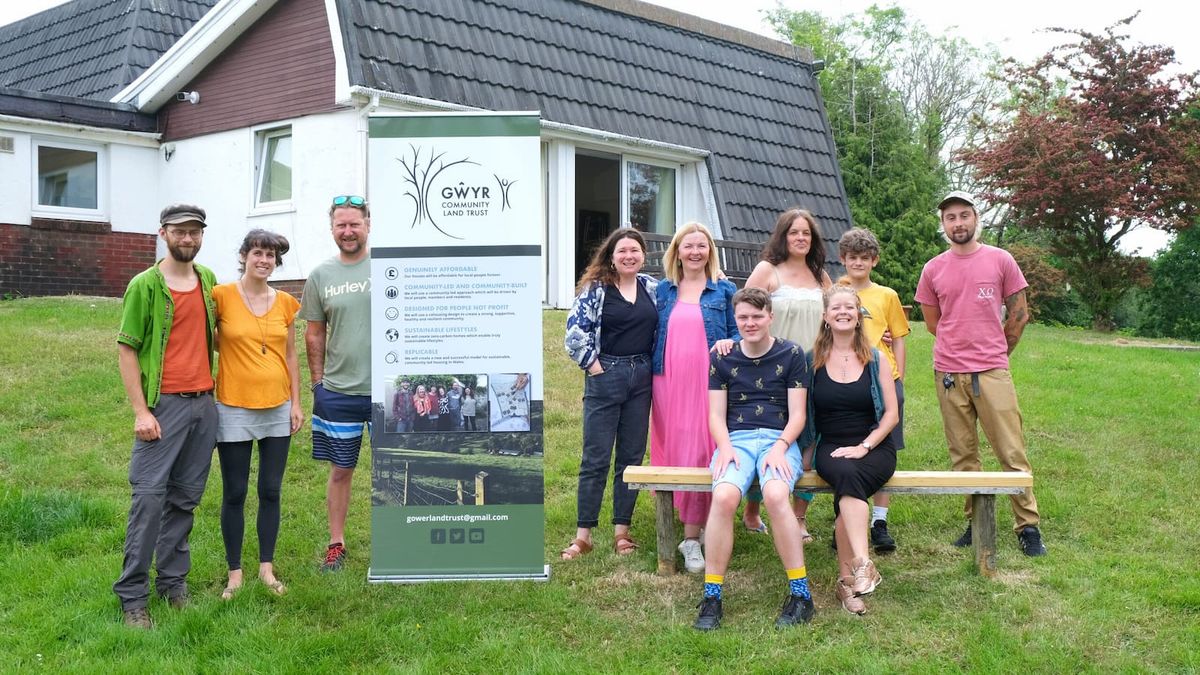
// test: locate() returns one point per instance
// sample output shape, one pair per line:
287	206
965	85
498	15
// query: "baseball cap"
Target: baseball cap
177	214
957	196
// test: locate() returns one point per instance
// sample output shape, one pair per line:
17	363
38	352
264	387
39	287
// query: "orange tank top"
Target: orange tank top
185	364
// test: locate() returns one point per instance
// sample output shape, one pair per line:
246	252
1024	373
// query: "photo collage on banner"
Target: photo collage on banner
456	349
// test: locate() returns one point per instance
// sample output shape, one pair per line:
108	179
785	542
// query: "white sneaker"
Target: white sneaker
693	557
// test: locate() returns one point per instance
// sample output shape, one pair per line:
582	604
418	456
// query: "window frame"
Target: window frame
97	214
677	167
262	137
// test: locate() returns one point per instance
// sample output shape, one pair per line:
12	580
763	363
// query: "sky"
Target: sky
1014	27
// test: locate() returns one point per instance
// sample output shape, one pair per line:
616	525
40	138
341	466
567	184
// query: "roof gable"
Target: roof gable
92	48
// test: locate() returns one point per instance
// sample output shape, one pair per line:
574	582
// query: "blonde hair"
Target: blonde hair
673	266
824	341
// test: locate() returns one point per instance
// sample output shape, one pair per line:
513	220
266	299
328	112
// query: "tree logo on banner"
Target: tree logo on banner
459	196
420	175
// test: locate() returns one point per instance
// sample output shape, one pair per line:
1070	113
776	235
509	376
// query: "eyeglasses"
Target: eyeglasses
178	233
352	200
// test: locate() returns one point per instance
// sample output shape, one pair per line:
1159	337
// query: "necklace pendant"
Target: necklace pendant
264	348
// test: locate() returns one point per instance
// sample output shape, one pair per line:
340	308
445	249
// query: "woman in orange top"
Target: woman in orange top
258	399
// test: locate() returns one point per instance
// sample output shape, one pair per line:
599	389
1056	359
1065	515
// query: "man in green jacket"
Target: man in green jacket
167	362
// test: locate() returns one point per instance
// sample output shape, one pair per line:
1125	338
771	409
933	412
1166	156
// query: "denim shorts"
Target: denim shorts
751	447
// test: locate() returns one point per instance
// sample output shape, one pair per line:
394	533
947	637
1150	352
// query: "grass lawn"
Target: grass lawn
1112	432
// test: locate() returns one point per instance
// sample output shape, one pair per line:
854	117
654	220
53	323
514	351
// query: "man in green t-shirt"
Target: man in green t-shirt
337	306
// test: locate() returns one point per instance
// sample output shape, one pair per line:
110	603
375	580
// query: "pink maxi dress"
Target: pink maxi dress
679	415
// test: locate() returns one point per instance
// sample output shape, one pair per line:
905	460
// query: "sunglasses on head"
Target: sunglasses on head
352	200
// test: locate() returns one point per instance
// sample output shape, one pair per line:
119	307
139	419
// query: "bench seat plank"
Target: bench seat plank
698	479
984	485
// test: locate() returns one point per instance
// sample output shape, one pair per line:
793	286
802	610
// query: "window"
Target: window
650	191
68	177
273	171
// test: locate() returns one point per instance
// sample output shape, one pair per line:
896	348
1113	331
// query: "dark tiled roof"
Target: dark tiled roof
760	114
92	48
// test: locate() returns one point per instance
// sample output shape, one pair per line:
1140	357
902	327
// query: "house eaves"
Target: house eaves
70	110
550	128
210	36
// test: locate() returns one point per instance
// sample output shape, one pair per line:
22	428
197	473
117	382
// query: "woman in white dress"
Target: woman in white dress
793	272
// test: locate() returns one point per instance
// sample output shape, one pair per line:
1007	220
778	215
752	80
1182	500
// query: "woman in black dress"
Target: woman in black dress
853	411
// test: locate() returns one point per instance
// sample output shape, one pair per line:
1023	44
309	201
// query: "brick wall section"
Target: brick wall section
61	257
296	288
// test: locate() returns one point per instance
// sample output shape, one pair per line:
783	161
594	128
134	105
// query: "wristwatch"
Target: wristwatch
866	445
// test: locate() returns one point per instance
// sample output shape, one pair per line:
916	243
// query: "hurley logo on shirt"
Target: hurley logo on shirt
347	287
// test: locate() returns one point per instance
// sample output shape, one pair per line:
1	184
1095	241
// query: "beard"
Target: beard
961	237
350	247
183	255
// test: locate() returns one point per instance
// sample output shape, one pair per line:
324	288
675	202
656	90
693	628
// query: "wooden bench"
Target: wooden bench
982	485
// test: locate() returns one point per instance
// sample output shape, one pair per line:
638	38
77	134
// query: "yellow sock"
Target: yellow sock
798	582
713	584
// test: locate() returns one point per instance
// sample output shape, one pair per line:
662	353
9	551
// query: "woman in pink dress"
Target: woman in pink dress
694	313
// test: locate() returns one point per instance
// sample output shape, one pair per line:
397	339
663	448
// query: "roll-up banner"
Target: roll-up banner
456	351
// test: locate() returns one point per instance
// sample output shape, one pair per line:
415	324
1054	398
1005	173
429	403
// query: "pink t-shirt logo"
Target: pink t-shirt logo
987	292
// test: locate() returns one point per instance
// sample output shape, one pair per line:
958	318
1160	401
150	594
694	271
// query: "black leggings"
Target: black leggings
235	479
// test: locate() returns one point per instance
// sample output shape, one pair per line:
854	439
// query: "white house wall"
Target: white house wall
216	172
129	185
134	203
16	180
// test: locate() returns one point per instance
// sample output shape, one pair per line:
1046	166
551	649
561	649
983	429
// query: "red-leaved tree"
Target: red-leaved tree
1102	140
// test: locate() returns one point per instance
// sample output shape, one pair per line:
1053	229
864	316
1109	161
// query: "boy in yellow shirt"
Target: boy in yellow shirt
858	250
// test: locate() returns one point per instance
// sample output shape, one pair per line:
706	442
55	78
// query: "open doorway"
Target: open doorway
597	203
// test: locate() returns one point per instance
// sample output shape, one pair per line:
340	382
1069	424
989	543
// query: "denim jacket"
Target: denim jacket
715	306
583	323
147	312
810	436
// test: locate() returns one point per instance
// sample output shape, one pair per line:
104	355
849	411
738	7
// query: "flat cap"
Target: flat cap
177	214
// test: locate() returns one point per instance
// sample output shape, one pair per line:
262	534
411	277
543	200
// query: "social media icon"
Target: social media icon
475	536
437	536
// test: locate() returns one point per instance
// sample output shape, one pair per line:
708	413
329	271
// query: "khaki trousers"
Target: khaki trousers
989	398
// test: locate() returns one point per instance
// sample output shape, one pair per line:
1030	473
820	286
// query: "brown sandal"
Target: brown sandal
805	537
583	548
623	544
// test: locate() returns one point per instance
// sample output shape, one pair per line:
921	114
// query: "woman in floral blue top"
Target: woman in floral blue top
617	384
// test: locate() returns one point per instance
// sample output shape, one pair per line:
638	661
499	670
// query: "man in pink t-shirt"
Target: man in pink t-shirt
963	292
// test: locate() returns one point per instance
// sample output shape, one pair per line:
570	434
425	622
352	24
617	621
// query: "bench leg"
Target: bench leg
664	523
983	533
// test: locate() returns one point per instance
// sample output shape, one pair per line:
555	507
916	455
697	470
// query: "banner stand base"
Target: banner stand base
429	578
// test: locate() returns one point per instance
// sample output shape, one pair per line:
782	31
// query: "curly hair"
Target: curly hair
858	241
